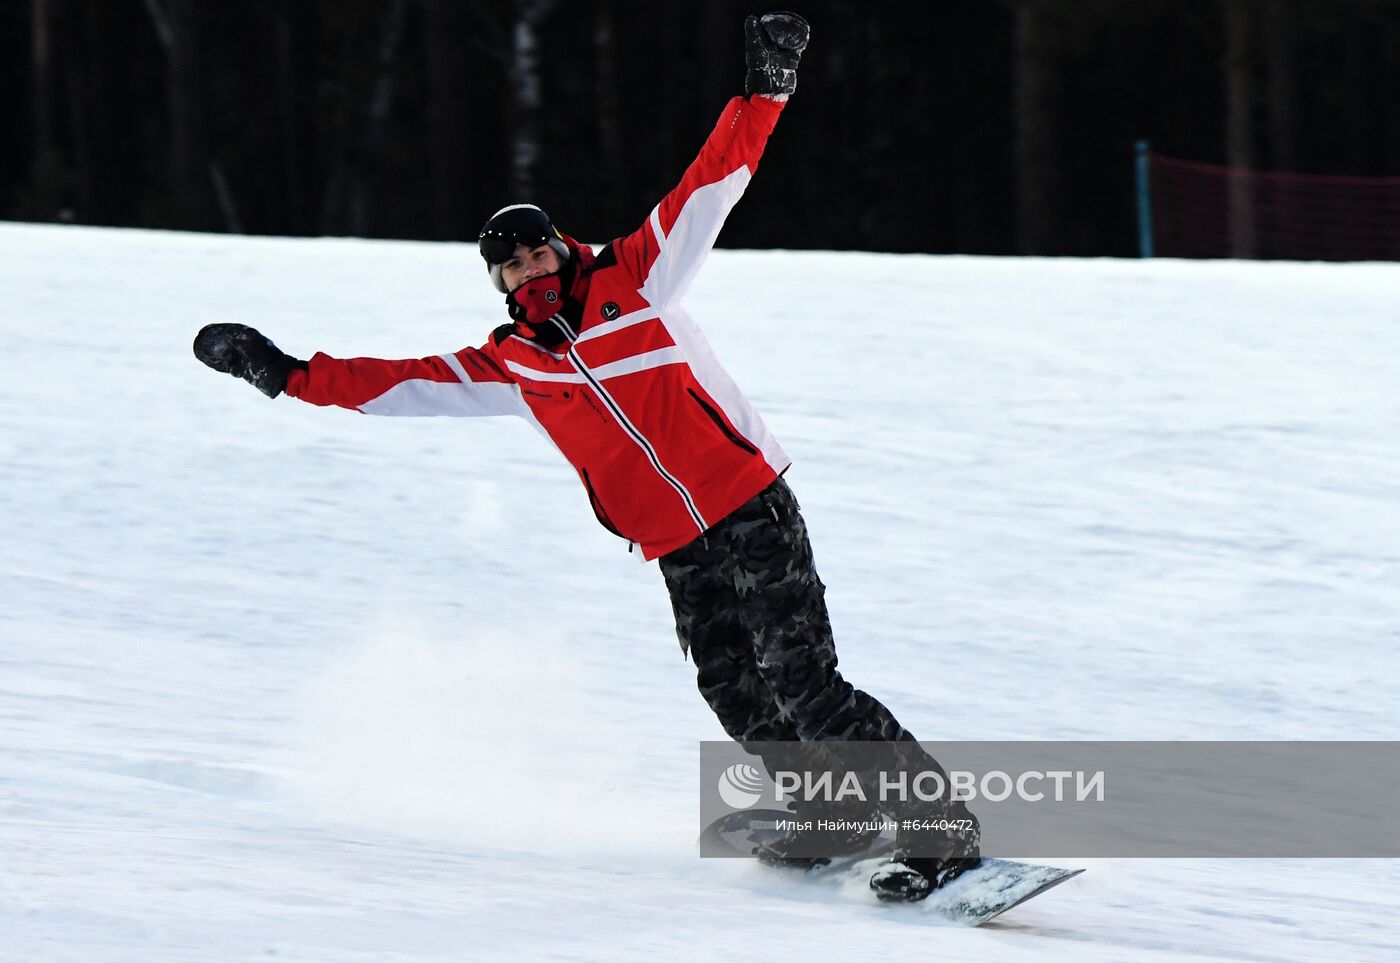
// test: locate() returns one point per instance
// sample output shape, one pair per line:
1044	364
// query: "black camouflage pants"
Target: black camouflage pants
751	612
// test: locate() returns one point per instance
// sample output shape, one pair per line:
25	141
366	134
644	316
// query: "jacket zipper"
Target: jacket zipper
598	509
632	432
720	423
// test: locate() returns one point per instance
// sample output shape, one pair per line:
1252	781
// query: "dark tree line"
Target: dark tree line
985	126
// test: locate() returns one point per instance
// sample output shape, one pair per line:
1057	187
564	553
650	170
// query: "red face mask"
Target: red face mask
536	301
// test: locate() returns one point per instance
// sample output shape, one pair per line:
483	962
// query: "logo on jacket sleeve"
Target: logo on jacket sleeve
611	310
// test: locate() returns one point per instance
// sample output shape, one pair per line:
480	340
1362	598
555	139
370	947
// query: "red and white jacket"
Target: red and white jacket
660	435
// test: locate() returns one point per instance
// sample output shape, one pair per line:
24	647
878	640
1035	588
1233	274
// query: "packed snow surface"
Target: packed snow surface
295	683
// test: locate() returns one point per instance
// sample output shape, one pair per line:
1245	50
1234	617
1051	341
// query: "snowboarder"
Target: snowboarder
600	355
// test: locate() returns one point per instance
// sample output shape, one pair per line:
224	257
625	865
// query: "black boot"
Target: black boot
927	857
913	878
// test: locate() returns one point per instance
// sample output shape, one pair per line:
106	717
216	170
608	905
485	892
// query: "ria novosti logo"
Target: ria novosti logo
740	786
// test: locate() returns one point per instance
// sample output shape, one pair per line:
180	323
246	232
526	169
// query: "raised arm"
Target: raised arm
466	383
666	252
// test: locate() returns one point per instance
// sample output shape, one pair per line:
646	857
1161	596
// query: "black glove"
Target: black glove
773	44
245	353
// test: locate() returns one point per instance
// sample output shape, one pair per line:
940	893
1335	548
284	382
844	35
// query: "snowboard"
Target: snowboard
976	897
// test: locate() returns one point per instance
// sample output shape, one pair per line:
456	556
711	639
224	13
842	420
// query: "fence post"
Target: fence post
1144	200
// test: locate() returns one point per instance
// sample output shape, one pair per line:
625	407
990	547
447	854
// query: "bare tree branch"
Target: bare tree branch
376	119
527	95
493	45
224	195
161	22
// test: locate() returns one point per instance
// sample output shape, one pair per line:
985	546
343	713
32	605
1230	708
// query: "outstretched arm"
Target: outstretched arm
470	382
666	252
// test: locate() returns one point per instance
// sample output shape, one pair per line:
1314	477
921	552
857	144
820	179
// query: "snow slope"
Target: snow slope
282	682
